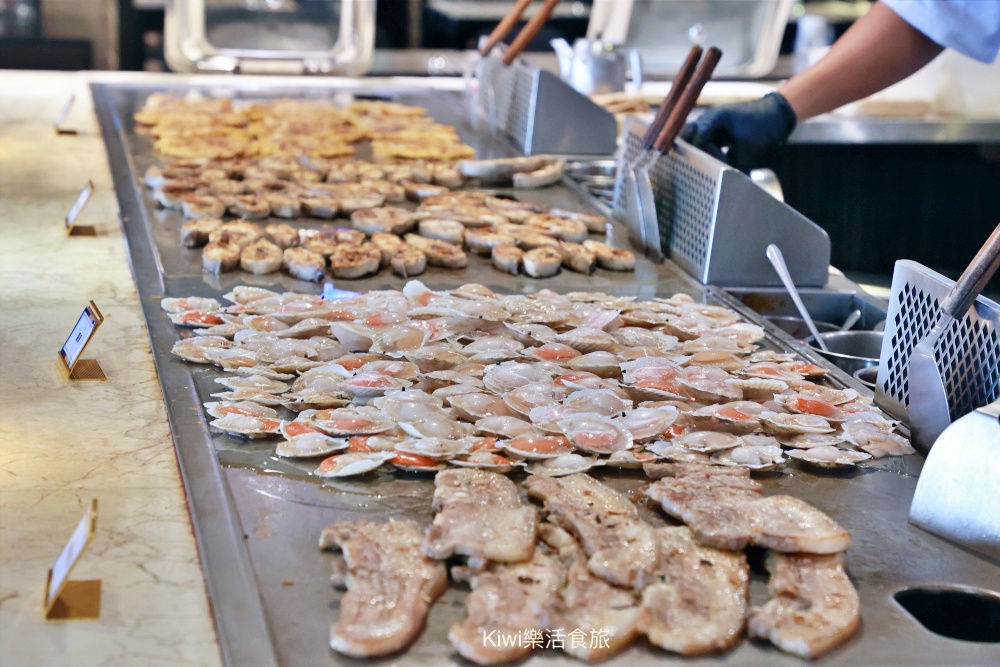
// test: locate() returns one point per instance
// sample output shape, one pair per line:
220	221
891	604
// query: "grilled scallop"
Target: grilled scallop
420	191
261	257
507	258
304	264
387	219
349	261
282	235
221	256
542	262
238	231
250	207
614	259
577	257
408	261
482	241
195	233
320	206
284	205
439	253
202	206
449	231
389	244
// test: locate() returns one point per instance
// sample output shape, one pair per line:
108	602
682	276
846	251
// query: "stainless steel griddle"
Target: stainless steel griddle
257	519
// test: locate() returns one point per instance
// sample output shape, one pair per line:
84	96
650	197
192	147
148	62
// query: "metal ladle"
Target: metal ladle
778	262
851	320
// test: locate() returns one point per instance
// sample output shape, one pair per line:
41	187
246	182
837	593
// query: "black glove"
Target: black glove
748	129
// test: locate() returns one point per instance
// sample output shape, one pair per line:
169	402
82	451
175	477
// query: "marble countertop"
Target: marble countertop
63	443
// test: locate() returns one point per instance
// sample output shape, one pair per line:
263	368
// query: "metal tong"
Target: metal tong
659	140
527	33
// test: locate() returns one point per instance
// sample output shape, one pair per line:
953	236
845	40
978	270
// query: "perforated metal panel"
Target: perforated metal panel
968	353
496	92
530	105
686	199
716	223
521	98
686	203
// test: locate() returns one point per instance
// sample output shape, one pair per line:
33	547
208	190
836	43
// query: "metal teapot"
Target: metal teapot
592	66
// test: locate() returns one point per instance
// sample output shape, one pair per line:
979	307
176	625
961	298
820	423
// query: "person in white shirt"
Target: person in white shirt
892	41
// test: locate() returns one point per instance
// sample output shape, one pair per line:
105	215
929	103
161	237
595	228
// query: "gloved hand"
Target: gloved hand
748	129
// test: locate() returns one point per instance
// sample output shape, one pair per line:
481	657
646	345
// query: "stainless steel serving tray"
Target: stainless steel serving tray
257	519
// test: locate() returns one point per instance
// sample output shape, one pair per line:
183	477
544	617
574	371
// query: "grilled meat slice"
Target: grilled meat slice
620	547
586	601
479	515
506	600
814	607
390	586
697	470
728	513
697	602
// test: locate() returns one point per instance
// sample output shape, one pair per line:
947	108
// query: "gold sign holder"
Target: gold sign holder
86	369
72	228
73	600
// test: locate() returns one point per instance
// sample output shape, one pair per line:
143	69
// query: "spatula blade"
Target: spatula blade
928	400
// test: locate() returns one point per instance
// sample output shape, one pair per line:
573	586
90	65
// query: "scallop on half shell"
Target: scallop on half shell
595	433
567	464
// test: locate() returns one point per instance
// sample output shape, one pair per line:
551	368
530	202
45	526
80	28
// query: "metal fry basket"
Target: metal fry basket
968	352
716	223
540	112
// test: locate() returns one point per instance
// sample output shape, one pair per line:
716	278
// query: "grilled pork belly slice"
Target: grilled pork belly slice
507	600
692	470
814	607
620	547
479	515
390	586
697	601
729	513
588	602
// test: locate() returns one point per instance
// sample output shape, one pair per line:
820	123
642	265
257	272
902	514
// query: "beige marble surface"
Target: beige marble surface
63	443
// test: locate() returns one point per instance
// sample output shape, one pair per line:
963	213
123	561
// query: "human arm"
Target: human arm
879	50
876	52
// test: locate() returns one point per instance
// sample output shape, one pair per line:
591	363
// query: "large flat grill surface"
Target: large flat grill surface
259	538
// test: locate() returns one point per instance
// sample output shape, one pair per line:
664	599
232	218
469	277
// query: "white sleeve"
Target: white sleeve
971	27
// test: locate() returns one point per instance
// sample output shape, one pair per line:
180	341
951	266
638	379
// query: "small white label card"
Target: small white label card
61	118
72	349
81	200
65	599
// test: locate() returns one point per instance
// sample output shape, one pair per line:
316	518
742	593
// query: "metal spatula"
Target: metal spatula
928	399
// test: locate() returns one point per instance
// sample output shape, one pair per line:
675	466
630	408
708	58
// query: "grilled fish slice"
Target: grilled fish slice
814	607
390	586
586	601
479	515
507	600
621	548
698	600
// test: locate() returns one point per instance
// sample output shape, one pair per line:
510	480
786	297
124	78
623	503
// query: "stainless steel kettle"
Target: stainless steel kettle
592	66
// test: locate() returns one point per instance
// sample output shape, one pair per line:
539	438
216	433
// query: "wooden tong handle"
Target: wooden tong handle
675	123
974	278
529	31
503	28
670	99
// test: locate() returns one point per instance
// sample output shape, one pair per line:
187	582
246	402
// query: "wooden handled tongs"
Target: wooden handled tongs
527	33
659	139
677	105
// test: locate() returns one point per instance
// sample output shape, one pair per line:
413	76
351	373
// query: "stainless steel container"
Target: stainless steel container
796	326
850	350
